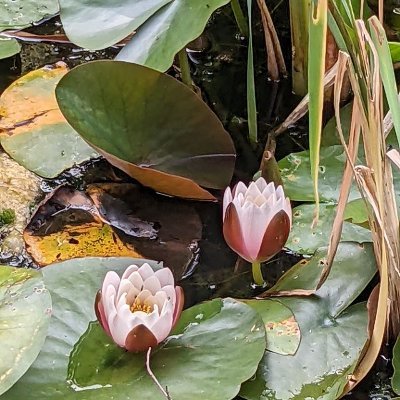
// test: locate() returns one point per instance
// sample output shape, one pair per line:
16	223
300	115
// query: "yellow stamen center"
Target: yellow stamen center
139	306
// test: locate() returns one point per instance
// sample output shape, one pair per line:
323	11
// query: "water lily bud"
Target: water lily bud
139	310
257	220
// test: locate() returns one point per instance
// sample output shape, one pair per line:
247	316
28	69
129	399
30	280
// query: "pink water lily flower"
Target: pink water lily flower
139	309
257	219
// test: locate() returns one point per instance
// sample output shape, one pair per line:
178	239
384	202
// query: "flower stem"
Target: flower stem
240	18
185	68
153	377
257	274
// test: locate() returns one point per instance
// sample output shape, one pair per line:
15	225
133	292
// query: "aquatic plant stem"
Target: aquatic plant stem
185	68
257	274
240	18
153	377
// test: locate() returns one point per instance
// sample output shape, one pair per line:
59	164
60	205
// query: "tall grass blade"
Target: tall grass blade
316	69
386	71
251	90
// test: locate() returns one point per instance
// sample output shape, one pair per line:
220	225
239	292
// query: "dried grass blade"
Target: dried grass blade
351	152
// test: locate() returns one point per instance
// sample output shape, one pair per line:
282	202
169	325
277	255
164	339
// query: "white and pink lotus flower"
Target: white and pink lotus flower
257	220
139	310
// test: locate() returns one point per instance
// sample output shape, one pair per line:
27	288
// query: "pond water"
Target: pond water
218	61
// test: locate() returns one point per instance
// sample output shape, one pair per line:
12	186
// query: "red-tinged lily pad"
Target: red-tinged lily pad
149	125
215	347
32	129
25	309
333	329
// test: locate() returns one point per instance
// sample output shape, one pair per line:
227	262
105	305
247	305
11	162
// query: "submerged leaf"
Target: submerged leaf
149	125
114	219
88	240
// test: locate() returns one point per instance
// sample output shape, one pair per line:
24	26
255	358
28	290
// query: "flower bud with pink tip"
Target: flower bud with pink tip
257	220
139	309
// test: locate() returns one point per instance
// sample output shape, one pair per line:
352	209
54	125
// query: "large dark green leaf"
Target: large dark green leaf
78	361
149	125
169	30
17	14
99	24
305	239
25	309
333	331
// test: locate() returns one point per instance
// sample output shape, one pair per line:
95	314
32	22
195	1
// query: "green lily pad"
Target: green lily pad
356	211
396	367
164	26
32	129
78	360
169	30
295	170
149	125
8	47
25	309
305	240
395	51
333	331
99	24
283	332
18	14
330	135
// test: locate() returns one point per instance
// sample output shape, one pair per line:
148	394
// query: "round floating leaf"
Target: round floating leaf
157	41
32	129
99	24
149	125
78	360
330	134
17	14
8	47
305	240
333	331
396	367
356	211
283	333
295	170
25	308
